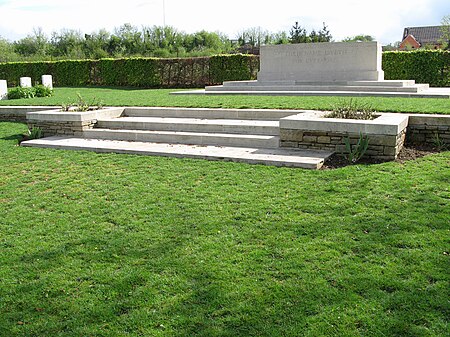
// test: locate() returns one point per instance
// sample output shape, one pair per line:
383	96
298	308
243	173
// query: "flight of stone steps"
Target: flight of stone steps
240	135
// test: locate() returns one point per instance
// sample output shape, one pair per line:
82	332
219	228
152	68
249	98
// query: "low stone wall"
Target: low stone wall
380	147
72	123
310	130
428	129
18	113
61	127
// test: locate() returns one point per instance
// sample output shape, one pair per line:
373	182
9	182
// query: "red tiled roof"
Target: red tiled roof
424	35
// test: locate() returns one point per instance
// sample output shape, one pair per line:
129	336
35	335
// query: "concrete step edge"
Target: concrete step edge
208	113
191	125
199	138
276	157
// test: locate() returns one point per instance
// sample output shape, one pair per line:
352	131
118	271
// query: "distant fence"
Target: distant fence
423	66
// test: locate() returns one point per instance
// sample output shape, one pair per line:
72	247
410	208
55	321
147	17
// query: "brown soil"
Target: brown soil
409	152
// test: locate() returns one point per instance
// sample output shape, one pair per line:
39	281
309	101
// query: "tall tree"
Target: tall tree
298	34
34	44
324	34
361	38
445	32
69	43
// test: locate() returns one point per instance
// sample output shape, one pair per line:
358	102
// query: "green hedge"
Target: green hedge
423	66
137	72
233	68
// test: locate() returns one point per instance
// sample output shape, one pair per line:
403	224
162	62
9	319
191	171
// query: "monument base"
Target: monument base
394	88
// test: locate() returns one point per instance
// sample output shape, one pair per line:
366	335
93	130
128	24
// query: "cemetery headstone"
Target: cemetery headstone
47	81
25	82
3	90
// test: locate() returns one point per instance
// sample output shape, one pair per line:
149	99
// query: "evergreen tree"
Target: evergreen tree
297	34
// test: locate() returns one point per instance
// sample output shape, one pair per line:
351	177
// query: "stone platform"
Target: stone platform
347	89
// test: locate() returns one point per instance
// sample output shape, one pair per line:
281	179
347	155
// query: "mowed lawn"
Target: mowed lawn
162	97
122	245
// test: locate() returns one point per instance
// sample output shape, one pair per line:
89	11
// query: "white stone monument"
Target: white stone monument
3	90
323	69
47	81
25	82
321	62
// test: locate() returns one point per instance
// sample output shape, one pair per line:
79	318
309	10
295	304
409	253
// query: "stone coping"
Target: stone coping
47	113
23	109
428	119
385	124
57	115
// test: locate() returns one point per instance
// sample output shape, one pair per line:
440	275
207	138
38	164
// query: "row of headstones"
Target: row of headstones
25	82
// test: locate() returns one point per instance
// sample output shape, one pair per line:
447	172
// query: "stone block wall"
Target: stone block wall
56	128
68	123
381	147
13	117
18	113
428	129
311	130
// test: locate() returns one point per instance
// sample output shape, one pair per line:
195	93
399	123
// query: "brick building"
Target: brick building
419	37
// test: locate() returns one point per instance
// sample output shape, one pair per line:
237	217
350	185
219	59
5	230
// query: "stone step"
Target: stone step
384	83
352	88
443	93
209	113
276	157
191	125
175	137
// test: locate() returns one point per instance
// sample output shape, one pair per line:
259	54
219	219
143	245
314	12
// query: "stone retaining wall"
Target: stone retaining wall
311	130
380	147
18	113
61	127
13	117
69	123
428	129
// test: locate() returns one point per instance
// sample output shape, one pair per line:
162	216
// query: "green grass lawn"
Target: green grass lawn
121	245
161	97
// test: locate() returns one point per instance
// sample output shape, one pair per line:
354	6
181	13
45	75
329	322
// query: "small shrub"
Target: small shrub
33	133
82	105
19	92
42	91
439	143
356	152
38	90
352	109
66	107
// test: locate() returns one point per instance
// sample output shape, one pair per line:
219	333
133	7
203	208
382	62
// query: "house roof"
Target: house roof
424	35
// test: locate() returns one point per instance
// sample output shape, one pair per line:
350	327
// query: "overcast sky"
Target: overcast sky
383	19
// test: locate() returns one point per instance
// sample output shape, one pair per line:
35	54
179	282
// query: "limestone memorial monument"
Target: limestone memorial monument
321	63
3	89
329	68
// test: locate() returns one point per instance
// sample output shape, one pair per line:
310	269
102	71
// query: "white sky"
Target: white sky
383	19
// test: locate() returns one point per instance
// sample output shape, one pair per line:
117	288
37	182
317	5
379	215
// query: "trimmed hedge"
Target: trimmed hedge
423	66
137	72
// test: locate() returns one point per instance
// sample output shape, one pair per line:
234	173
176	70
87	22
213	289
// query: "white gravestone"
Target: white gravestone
3	90
47	81
321	62
25	82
